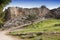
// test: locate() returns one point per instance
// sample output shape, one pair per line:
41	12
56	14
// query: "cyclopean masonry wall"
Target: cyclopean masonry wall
13	12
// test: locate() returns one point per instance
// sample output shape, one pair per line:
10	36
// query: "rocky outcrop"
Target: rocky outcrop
57	13
54	13
13	12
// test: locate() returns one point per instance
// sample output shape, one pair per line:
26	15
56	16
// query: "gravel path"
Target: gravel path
3	36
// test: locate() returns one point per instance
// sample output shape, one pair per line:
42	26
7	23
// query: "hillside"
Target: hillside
15	16
45	30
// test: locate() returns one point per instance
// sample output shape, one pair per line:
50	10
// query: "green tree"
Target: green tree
3	3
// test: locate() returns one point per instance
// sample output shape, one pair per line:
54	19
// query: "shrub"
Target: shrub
32	17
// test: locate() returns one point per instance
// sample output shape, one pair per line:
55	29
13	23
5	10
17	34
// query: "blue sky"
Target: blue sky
34	3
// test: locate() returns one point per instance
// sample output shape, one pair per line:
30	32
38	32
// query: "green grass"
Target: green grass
50	25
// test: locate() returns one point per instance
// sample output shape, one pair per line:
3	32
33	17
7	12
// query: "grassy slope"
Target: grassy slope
50	25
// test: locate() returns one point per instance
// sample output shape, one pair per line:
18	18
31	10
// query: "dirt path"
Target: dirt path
3	36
